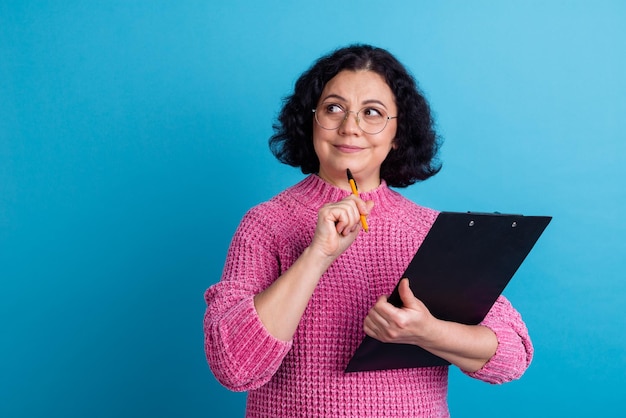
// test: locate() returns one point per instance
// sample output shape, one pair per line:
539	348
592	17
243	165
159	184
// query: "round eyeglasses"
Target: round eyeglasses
371	120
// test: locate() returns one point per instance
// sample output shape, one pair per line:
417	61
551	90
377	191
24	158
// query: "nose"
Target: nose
350	125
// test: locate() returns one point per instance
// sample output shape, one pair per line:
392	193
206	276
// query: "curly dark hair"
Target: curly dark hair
413	159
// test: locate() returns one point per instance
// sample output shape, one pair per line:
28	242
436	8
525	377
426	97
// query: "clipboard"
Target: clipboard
463	265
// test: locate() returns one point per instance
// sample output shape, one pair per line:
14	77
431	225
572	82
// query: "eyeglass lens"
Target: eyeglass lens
371	120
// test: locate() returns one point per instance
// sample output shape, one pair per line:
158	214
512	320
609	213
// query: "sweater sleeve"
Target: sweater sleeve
241	353
515	350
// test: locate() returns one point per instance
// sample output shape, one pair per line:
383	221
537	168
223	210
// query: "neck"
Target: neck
364	183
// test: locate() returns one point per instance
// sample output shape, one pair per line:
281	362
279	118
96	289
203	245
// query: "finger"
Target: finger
339	216
351	221
330	226
361	207
378	318
372	329
383	307
406	294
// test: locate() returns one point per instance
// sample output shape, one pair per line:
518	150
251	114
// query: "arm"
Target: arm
515	350
282	304
497	350
468	347
253	312
241	353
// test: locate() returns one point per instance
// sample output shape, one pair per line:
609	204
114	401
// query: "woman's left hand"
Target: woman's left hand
467	346
406	325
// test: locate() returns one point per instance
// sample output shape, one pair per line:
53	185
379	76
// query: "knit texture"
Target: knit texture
305	377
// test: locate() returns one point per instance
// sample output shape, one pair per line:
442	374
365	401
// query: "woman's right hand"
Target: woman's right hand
338	225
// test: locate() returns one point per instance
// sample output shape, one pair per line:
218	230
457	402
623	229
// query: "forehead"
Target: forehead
359	87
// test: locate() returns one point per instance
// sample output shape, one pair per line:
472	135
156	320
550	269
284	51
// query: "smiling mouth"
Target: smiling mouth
348	148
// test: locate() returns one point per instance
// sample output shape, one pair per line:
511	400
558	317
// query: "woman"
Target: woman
303	282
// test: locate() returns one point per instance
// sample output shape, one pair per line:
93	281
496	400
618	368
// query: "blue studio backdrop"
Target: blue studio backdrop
133	137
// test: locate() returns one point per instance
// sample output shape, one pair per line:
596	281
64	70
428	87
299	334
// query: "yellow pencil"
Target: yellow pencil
355	191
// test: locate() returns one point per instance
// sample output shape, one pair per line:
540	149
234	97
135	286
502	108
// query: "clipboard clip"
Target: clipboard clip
472	222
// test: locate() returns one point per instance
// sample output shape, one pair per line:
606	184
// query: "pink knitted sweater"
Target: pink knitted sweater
305	377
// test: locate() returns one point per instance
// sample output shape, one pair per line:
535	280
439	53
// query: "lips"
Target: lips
349	149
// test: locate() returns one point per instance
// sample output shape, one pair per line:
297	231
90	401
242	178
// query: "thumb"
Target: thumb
406	294
369	205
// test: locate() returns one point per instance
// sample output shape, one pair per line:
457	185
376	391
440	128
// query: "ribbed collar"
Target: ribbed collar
314	191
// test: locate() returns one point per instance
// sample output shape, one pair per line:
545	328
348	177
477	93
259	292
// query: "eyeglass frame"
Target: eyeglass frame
387	119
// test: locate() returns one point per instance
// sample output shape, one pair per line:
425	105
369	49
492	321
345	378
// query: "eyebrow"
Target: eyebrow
366	102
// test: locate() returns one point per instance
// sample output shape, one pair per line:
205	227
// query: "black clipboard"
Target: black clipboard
461	268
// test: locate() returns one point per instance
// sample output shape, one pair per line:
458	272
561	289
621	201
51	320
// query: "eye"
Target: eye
333	108
373	113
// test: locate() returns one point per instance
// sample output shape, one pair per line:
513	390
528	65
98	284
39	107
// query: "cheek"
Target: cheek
388	142
318	142
392	134
320	136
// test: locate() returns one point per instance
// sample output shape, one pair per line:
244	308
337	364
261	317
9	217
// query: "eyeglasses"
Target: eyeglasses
371	120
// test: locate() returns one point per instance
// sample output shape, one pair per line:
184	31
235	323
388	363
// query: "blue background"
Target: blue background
133	137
